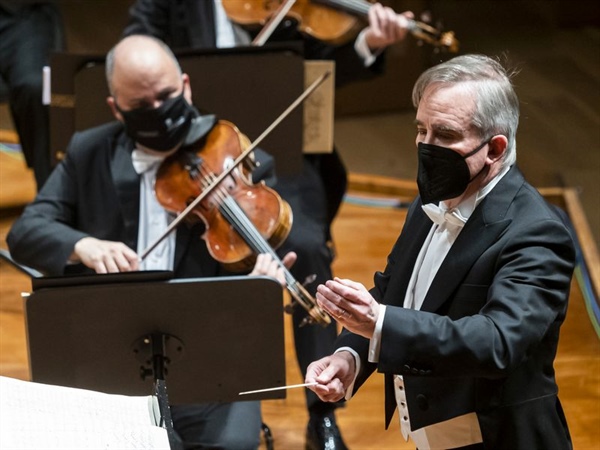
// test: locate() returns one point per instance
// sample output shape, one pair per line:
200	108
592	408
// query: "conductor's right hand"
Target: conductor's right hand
333	374
105	256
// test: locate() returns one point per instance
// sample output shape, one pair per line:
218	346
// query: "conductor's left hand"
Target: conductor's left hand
351	304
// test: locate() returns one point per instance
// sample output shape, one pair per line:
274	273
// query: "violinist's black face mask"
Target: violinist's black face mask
161	128
443	173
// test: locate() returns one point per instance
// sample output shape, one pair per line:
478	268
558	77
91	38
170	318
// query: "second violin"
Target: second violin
322	22
331	21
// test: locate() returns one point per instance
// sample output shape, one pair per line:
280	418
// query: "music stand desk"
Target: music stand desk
216	337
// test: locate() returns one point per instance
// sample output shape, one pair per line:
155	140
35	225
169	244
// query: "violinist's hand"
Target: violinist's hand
385	26
105	256
334	374
266	265
351	304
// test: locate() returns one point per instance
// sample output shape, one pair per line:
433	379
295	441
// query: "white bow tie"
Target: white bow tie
142	161
439	215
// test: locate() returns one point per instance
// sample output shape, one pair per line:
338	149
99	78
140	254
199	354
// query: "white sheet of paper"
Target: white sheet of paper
44	417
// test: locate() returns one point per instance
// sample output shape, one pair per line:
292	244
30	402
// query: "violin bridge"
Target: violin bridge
192	165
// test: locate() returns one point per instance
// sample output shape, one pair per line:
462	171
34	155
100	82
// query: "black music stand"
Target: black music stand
249	86
208	338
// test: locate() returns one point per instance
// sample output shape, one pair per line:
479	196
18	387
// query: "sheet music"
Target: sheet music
34	415
319	108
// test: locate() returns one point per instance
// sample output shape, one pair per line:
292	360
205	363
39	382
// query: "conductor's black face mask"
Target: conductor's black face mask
443	173
160	128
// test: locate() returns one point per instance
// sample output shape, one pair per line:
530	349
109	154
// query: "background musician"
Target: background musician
29	31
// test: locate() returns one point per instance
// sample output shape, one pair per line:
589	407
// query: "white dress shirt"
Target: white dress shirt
228	33
153	219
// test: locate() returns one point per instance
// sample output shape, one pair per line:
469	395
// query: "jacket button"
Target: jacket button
406	368
414	371
422	402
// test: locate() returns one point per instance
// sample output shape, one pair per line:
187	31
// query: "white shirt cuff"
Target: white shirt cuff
375	343
363	50
350	390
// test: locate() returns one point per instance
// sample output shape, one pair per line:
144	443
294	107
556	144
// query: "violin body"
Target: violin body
235	210
211	183
314	19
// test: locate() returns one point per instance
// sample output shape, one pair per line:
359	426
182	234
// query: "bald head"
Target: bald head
142	72
139	59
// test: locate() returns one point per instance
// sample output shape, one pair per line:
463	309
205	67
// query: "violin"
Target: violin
331	21
241	219
321	22
230	237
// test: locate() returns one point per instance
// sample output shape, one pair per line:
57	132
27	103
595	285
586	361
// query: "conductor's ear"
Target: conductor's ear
498	146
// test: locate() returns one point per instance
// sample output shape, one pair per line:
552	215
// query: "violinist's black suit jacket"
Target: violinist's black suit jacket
487	334
95	192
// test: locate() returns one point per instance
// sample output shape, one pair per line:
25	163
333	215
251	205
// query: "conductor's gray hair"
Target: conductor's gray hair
497	104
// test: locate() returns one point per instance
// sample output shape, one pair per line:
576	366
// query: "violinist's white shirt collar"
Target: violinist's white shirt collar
143	161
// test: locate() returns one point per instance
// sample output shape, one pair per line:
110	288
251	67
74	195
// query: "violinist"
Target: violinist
98	211
316	194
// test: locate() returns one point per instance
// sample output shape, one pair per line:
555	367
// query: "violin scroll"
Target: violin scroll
309	303
434	36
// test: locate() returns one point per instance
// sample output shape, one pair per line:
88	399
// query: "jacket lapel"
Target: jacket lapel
404	255
484	226
127	185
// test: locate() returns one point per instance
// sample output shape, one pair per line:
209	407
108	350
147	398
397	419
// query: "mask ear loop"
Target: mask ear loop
479	147
475	150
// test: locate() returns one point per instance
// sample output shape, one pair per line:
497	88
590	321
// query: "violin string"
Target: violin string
360	7
244	226
240	221
233	217
236	216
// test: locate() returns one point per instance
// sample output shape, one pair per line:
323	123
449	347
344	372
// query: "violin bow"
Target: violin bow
271	25
235	163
